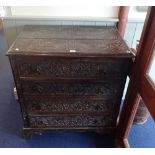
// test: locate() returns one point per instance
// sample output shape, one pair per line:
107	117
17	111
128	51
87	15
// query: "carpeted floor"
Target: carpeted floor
11	122
143	136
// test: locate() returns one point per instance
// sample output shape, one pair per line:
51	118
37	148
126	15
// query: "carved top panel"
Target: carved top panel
70	41
69	32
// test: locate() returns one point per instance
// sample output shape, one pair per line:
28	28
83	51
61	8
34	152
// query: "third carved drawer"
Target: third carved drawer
50	105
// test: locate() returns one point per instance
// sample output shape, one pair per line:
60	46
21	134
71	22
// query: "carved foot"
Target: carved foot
27	134
99	132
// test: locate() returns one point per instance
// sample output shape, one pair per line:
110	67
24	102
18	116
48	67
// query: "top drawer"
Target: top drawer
70	67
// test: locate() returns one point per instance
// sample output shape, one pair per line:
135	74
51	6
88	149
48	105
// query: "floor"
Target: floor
11	122
143	136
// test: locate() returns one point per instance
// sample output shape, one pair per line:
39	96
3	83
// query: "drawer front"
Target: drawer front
73	68
70	121
72	88
49	105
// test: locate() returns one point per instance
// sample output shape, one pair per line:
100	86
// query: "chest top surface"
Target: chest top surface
70	41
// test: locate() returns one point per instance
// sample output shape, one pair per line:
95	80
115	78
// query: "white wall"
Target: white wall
152	70
69	11
134	14
2	11
5	11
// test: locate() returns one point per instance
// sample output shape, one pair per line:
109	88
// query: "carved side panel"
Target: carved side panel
48	105
53	88
57	68
17	81
71	121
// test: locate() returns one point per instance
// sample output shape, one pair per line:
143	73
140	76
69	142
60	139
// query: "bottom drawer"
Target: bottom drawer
71	121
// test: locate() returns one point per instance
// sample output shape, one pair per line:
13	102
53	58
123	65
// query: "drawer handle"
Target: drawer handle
97	107
104	72
38	69
40	89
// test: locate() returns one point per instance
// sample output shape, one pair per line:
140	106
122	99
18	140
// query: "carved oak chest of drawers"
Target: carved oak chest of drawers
69	77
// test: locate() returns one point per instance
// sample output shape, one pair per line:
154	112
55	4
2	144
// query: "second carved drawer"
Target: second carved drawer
72	88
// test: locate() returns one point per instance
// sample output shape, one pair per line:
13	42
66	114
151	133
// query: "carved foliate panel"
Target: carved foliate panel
70	121
53	88
57	68
49	105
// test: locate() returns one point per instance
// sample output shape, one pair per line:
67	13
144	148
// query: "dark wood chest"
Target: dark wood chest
70	77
